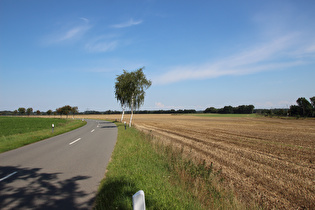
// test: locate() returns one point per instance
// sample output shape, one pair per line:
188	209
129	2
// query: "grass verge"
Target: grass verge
168	180
16	132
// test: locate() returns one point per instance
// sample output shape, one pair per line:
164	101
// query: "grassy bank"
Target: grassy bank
19	131
168	180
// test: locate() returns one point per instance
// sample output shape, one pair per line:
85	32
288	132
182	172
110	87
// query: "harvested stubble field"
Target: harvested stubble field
265	161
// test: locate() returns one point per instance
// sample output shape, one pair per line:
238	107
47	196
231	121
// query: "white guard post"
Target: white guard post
138	201
52	127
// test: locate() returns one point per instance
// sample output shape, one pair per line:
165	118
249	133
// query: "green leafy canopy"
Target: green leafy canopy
130	88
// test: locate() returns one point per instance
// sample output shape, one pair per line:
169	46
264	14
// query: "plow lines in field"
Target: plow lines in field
265	161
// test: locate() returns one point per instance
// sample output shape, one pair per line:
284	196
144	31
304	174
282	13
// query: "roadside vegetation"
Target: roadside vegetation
19	131
169	179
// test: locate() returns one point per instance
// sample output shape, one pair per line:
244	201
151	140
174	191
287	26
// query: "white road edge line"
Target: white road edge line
75	141
8	176
92	130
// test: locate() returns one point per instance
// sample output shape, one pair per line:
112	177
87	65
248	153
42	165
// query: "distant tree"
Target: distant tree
59	111
244	109
15	112
38	112
210	110
66	110
313	101
250	109
313	104
74	110
29	111
295	110
130	89
306	106
49	112
226	110
189	111
21	110
281	112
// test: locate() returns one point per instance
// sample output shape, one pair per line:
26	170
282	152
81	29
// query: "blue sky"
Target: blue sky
198	54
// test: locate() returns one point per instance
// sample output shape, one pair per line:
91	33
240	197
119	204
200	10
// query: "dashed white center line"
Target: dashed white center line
75	141
8	176
92	130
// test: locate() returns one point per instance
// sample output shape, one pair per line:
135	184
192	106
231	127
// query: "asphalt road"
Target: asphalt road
62	172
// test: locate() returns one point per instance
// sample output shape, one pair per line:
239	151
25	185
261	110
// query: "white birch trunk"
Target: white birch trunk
131	111
122	116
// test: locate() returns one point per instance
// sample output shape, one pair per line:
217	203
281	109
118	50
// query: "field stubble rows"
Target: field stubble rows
266	161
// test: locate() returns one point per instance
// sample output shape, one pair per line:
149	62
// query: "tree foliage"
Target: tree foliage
211	110
21	110
130	88
29	111
66	110
313	101
49	112
243	109
74	110
303	108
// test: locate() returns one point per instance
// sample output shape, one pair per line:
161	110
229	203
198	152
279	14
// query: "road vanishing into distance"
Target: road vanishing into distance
62	172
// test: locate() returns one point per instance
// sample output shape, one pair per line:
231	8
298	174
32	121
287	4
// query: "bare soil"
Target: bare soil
266	161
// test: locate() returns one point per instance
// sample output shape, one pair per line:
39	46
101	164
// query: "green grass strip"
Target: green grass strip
135	166
16	132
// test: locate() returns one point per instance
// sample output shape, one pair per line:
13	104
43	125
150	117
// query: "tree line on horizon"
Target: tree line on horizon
304	108
65	110
242	109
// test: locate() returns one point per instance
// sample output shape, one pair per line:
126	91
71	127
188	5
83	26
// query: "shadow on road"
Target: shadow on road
29	188
107	125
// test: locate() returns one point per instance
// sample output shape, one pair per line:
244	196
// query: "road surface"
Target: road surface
61	172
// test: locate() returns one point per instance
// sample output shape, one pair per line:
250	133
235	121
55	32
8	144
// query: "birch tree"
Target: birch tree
121	86
130	90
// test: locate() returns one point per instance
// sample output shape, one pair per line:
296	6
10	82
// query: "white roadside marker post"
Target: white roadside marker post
138	201
52	126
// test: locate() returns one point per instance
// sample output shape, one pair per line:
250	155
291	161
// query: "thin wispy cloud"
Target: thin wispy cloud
85	19
102	44
285	45
69	33
280	53
128	23
72	33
